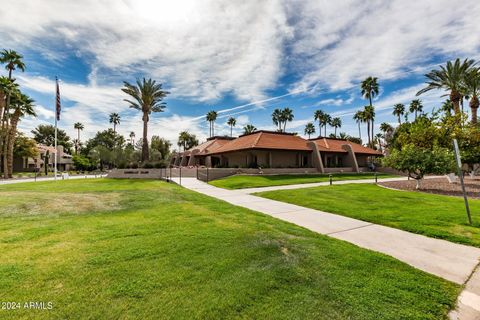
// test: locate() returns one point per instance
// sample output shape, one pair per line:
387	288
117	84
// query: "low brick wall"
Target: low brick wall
136	173
217	173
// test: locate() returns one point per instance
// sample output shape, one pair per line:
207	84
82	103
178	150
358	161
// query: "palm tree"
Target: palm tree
277	118
399	111
231	122
7	88
318	116
336	123
147	97
13	61
79	127
286	116
369	89
386	127
183	139
132	138
359	118
211	117
449	78
472	89
415	107
369	116
115	120
309	129
22	106
249	129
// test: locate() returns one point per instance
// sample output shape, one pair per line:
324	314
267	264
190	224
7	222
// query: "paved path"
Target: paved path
11	181
451	261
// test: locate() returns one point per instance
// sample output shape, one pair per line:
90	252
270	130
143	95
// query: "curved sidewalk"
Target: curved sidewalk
451	261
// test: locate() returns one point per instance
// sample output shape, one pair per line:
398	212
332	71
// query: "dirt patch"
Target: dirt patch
38	203
439	186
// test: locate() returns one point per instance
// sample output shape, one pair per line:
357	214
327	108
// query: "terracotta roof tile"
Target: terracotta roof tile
335	145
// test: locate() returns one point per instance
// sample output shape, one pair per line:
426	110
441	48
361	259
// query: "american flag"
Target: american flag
58	107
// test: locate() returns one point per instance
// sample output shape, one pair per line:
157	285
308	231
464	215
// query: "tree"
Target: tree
318	115
399	111
161	145
447	107
211	118
132	138
147	97
249	129
12	61
472	88
115	120
45	134
418	162
277	118
449	78
309	129
82	163
231	122
187	140
79	127
286	116
336	123
369	117
24	147
359	118
370	89
22	105
415	107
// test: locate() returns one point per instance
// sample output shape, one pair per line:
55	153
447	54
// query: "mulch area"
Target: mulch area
439	186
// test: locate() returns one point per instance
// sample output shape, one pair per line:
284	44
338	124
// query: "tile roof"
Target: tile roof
335	145
208	146
264	140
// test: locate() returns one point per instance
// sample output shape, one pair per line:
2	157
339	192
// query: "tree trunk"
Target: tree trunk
359	131
455	98
474	104
373	129
145	141
418	184
231	131
335	132
399	120
368	132
325	130
11	142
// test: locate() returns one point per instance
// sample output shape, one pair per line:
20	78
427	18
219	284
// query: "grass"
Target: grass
157	251
256	181
435	216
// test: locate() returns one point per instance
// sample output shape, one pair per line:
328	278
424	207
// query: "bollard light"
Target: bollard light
331	179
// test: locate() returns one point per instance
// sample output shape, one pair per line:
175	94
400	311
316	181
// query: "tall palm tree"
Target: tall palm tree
326	120
277	118
369	117
318	116
336	123
286	116
472	89
132	138
7	88
183	138
249	129
399	111
79	127
22	105
231	122
415	107
449	78
211	117
12	61
115	120
386	127
370	89
359	117
147	97
309	129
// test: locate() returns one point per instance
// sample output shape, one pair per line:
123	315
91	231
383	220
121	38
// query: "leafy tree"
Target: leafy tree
309	129
82	163
187	140
249	129
147	97
211	118
231	122
107	138
418	162
161	145
25	147
450	78
45	134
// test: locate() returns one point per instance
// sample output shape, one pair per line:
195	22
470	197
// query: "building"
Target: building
64	160
268	149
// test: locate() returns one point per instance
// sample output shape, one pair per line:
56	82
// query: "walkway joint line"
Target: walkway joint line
335	232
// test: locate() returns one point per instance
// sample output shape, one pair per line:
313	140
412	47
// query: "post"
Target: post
330	178
207	174
180	177
376	178
460	175
170	173
197	172
56	150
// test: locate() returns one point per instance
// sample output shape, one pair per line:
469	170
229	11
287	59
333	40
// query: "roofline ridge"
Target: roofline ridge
256	140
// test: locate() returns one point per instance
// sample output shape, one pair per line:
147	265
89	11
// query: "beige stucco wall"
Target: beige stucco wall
265	158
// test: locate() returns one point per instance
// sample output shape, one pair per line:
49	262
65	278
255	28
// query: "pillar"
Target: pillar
316	157
351	157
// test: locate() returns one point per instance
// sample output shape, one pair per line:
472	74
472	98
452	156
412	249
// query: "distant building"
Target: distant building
270	149
64	160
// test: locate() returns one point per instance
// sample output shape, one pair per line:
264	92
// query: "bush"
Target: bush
147	165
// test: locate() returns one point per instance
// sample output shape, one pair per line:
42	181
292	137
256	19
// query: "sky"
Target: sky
240	58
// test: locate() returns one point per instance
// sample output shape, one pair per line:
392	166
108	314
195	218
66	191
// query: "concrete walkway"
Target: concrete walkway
88	176
451	261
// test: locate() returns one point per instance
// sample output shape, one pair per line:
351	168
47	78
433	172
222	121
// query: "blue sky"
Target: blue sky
243	59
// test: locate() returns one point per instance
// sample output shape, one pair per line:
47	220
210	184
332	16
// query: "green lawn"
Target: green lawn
431	215
252	181
132	249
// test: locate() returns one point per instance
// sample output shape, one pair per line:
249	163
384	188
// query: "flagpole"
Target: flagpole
56	150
